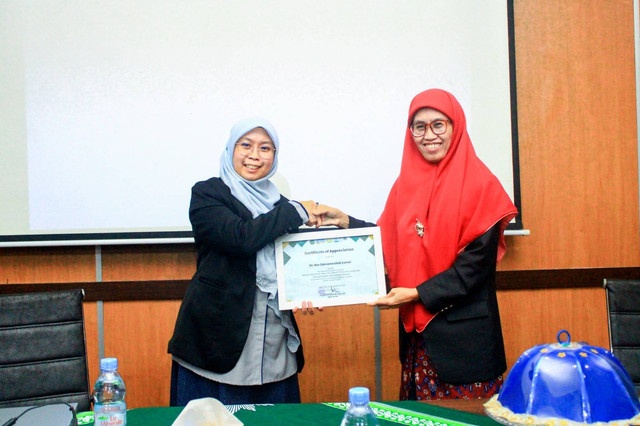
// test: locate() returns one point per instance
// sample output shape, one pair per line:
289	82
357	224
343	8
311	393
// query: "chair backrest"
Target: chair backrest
623	308
43	357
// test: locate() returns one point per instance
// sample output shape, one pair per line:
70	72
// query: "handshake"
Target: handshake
323	215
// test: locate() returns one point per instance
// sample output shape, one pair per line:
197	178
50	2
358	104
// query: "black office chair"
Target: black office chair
623	308
43	356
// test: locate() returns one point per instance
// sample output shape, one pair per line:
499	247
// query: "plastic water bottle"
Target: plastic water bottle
359	413
109	408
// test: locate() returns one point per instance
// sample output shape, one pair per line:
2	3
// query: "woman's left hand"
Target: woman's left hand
396	297
307	308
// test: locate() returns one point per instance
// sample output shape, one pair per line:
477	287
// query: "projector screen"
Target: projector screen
111	110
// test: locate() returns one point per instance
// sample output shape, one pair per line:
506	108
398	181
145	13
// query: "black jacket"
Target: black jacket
214	318
464	339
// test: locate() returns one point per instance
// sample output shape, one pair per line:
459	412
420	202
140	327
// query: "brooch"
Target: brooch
419	228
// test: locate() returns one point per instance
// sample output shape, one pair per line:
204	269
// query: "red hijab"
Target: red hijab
457	200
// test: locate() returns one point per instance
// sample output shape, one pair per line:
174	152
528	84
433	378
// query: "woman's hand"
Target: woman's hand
310	206
396	297
328	215
307	308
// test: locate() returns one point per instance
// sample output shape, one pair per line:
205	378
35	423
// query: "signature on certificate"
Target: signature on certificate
330	291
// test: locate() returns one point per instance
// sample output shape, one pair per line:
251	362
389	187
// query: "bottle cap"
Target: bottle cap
109	364
359	395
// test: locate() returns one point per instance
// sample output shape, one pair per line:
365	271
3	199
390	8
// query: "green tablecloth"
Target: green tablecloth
389	413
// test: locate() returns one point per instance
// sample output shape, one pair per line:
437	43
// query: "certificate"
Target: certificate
330	268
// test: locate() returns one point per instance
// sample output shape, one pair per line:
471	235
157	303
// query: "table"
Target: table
325	414
475	406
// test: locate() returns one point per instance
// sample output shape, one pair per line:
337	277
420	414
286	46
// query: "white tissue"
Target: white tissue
206	412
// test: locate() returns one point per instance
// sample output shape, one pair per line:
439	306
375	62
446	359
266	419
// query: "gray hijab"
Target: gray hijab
259	196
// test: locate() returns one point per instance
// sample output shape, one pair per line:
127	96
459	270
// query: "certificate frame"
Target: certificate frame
330	267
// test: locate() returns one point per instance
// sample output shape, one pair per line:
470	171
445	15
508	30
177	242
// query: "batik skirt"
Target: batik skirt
421	382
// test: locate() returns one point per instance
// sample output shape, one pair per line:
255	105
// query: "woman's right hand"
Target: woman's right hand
310	207
396	297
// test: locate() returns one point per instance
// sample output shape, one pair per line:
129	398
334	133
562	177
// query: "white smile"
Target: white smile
251	167
431	145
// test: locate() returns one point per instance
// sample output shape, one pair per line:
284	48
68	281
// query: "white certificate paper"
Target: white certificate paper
330	268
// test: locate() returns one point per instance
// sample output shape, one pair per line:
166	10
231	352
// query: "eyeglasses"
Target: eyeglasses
419	129
265	151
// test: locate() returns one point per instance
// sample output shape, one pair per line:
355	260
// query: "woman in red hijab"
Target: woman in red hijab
442	235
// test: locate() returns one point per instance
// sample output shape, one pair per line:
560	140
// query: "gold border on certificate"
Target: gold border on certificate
330	268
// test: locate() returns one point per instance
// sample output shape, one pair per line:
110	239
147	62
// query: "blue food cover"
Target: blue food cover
567	381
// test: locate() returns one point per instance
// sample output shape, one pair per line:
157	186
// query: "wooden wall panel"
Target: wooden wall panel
137	333
91	336
47	264
391	367
534	317
151	262
339	352
577	135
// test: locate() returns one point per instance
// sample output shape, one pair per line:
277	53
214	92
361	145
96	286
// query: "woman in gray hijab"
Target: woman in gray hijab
231	342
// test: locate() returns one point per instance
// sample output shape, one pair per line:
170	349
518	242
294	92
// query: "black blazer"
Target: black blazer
464	339
214	318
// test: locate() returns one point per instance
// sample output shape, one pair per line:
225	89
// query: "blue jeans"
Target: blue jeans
187	385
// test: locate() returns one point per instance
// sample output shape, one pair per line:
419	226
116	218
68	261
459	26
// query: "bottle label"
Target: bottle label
110	419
